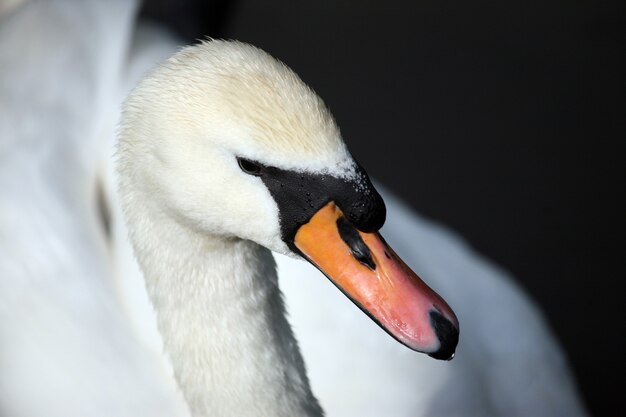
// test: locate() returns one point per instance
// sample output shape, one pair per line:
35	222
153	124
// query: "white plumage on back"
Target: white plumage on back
65	347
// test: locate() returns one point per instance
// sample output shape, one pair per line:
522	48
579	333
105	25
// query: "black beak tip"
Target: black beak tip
448	335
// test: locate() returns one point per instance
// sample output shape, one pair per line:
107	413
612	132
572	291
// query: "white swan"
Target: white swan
398	382
224	151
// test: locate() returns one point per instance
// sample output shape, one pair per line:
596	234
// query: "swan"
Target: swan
225	154
523	374
246	117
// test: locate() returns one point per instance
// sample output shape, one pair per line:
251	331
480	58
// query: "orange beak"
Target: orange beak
370	273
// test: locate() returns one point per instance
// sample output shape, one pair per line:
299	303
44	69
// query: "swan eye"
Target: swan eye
249	167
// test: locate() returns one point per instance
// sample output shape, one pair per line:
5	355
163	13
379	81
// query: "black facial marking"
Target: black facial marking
300	195
353	239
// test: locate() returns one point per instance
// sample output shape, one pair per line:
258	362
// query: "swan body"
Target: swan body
65	346
189	254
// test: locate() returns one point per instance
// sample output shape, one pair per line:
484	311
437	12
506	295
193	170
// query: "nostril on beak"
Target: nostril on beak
448	335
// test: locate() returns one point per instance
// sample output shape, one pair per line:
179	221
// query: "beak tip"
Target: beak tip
442	355
448	335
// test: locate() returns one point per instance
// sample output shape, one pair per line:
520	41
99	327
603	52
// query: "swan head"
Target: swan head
230	142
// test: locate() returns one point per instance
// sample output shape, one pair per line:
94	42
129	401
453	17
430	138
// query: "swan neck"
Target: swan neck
221	316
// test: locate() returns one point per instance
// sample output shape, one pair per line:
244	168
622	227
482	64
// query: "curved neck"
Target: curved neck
222	319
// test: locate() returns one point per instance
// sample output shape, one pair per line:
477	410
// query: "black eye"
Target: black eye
250	167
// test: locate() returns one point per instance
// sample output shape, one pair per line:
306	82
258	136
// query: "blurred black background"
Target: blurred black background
500	119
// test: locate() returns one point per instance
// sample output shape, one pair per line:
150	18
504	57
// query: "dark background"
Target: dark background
500	119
